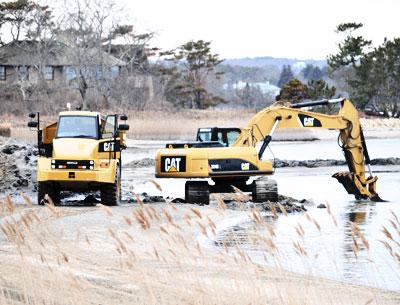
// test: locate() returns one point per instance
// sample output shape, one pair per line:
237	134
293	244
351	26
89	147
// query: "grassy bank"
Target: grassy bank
150	254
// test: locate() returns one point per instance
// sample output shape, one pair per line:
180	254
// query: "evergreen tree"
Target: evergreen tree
193	64
293	91
311	72
319	89
374	76
286	76
351	49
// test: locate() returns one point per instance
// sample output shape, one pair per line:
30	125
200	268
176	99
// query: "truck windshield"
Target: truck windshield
77	127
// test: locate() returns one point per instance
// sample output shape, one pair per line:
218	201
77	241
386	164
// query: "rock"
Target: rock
330	162
178	200
321	206
146	162
290	205
131	200
91	199
153	199
16	168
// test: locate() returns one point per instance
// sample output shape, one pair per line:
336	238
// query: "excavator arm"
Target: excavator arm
346	121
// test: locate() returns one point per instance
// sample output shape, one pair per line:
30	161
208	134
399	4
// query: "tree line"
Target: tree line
189	76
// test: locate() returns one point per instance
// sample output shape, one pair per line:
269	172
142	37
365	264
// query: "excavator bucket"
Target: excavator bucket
353	185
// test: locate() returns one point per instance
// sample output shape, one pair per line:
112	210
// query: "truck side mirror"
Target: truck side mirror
32	124
32	115
123	127
123	117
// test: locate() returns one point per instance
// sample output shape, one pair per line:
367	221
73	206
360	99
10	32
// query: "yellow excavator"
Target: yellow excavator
229	156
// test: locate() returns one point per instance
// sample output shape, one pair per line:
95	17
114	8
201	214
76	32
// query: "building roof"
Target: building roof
53	53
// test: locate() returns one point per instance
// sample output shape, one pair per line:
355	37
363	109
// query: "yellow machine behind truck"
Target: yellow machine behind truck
80	152
233	164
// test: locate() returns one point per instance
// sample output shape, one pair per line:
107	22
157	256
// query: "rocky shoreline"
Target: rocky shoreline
17	166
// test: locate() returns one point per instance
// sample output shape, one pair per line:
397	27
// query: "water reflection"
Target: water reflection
350	251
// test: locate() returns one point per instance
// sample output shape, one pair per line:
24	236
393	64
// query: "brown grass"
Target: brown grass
151	256
182	125
171	125
5	130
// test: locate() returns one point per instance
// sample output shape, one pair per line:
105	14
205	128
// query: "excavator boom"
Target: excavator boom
351	136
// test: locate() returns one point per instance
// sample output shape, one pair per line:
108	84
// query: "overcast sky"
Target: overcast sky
250	28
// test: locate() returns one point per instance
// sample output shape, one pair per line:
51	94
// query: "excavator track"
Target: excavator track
264	190
197	192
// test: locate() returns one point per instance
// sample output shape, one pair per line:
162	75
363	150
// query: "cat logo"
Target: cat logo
108	146
245	166
173	164
308	122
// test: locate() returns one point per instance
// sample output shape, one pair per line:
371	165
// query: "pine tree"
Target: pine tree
319	89
293	91
286	76
193	64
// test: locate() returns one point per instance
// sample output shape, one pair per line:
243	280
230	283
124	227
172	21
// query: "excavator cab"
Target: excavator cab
225	135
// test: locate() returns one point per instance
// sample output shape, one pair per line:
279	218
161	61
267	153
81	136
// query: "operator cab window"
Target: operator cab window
221	138
232	136
77	127
204	135
109	127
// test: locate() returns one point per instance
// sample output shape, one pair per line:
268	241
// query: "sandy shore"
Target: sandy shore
147	255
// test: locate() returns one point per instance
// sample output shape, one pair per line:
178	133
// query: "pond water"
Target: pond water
329	249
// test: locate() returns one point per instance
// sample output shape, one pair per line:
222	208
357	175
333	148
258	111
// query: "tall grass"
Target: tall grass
183	124
149	254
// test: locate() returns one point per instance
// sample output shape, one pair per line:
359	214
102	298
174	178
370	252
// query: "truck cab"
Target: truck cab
80	152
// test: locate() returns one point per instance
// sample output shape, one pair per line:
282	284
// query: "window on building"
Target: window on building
23	72
48	72
2	72
70	72
114	71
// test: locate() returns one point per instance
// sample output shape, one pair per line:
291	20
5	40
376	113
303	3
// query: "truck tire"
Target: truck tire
197	192
45	188
110	192
264	190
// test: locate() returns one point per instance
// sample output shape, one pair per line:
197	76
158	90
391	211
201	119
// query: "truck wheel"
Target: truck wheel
197	192
50	190
265	189
110	192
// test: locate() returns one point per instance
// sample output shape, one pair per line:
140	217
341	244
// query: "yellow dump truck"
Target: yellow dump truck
81	152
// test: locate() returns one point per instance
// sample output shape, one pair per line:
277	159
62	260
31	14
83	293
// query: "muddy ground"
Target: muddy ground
18	174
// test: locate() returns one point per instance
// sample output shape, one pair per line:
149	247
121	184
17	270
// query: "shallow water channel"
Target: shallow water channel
329	249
